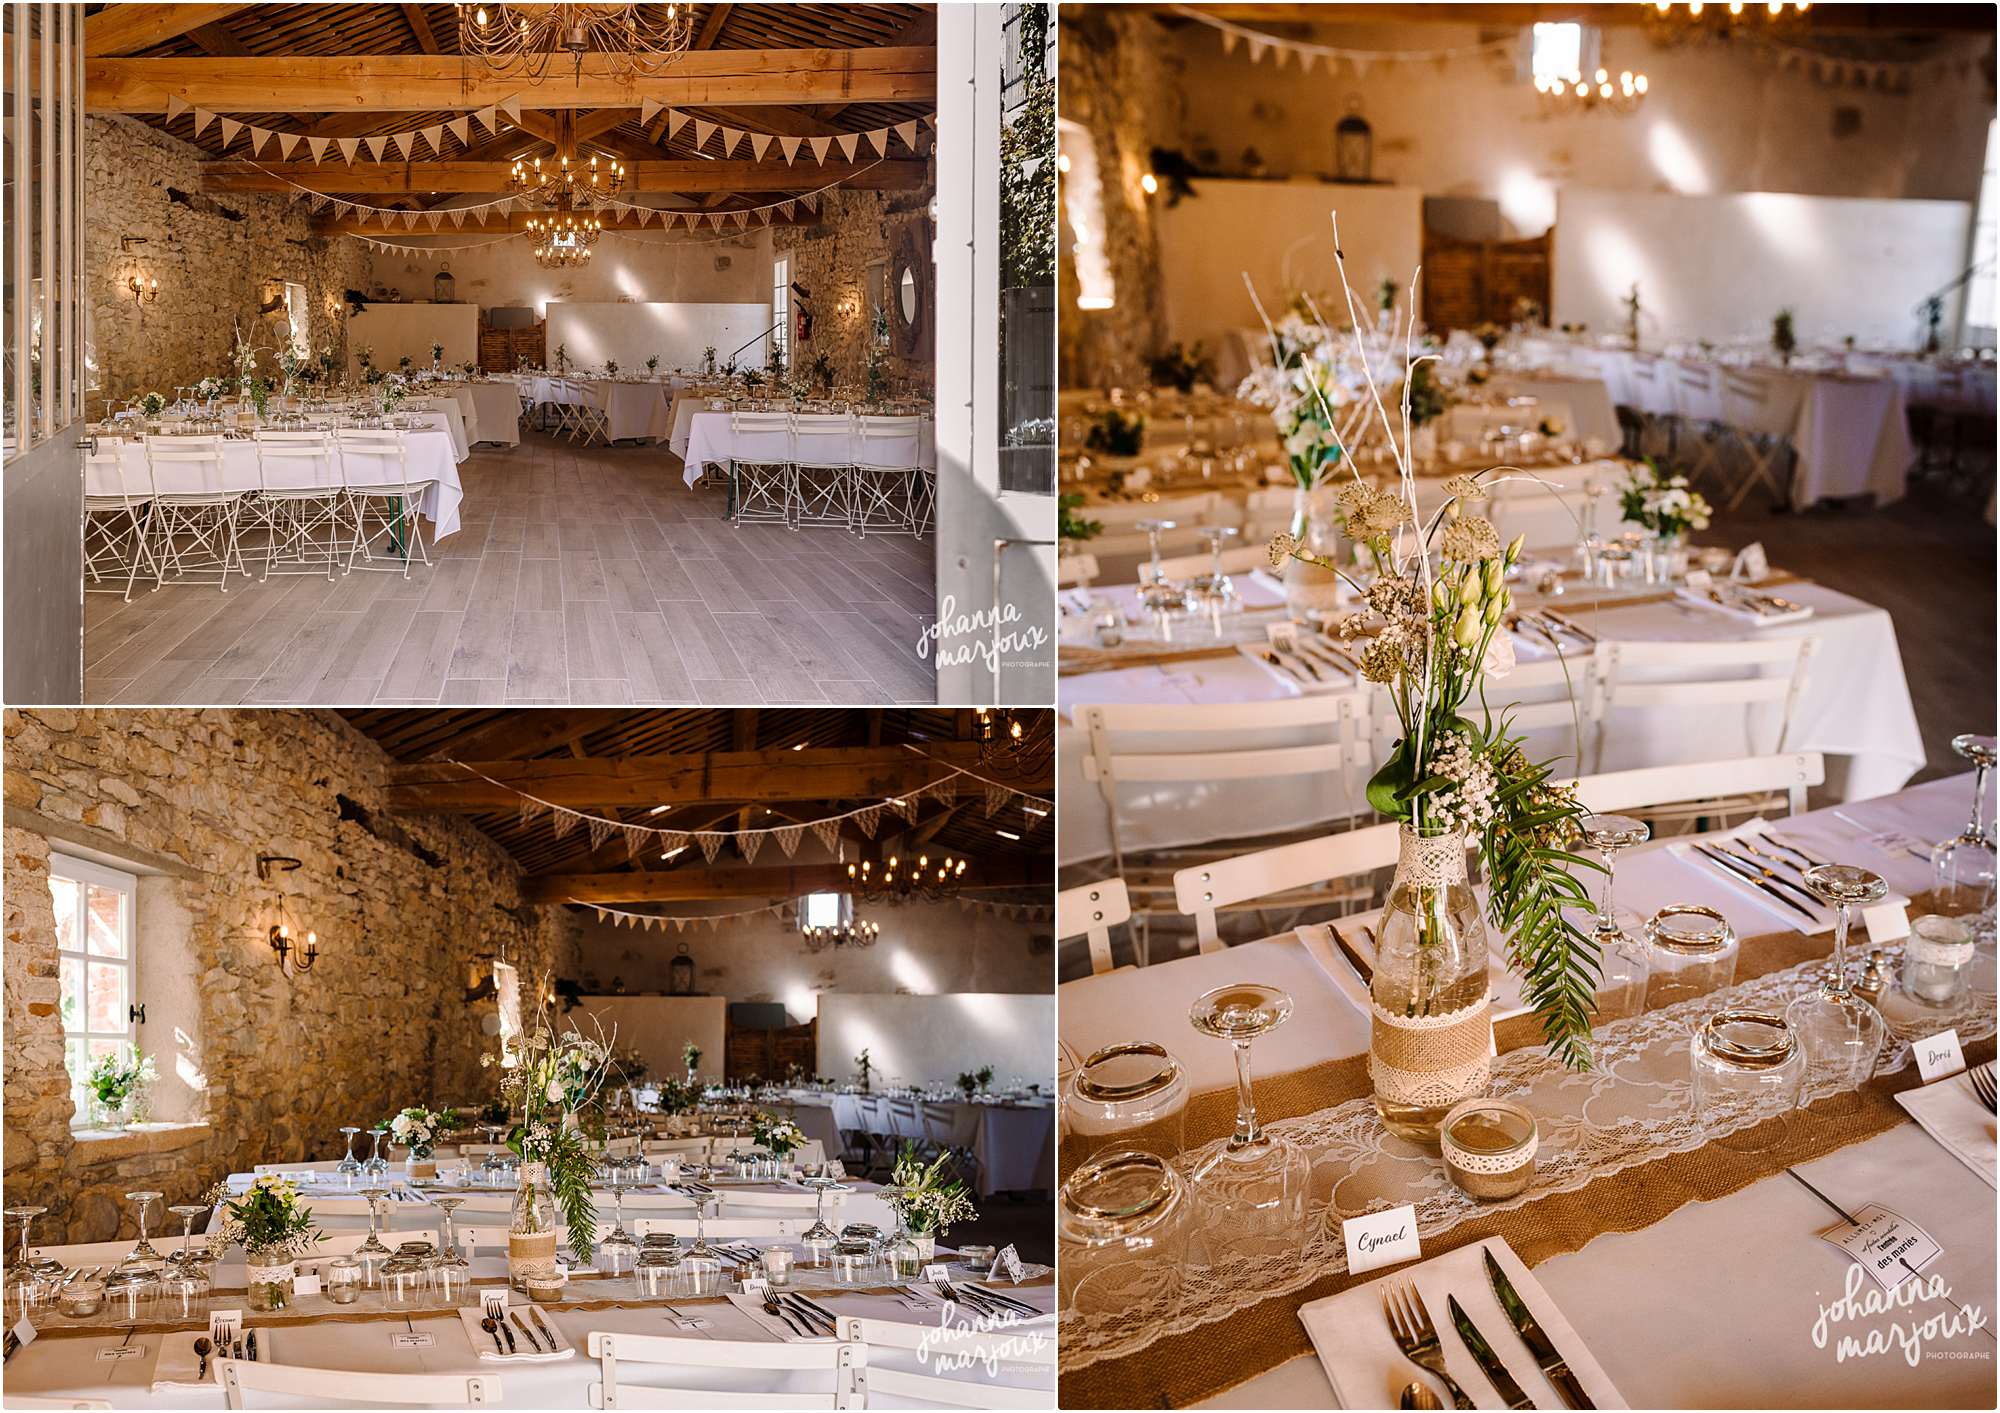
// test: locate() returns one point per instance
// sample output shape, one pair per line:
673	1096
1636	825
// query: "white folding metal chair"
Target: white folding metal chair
1206	889
1267	510
117	500
193	524
302	504
842	1360
725	1228
1240	560
384	496
343	1388
1703	784
886	472
1026	1354
760	466
1701	676
823	467
1090	911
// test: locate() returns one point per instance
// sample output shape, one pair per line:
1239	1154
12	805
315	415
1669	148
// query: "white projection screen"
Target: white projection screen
632	333
1720	267
934	1039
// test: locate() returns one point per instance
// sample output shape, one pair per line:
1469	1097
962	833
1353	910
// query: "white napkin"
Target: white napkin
1368	1370
525	1349
777	1328
1949	1112
175	1365
1317	939
1683	848
1741	610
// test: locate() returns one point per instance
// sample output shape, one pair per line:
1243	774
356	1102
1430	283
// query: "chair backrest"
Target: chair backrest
1704	675
1698	390
843	1360
760	437
106	475
1239	560
904	1120
373	457
1091	911
182	466
1618	790
404	1390
1200	890
724	1228
1075	570
822	439
473	1236
741	1202
1573	712
297	461
887	443
1033	1350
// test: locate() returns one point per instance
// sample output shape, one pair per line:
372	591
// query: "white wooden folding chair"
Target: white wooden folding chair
1090	912
746	1205
1653	403
117	499
823	466
1701	786
193	524
760	466
1748	416
587	419
886	475
1564	696
1274	877
384	495
842	1360
1768	672
343	1388
725	1228
1075	570
1240	560
302	504
1267	510
1027	1354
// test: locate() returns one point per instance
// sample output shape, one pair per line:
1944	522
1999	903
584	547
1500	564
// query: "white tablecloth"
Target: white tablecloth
712	439
430	453
1013	1144
444	413
632	408
1855	709
493	410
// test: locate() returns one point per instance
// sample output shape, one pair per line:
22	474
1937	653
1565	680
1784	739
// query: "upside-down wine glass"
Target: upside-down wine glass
373	1247
376	1167
349	1166
819	1237
143	1257
451	1269
1155	592
1840	1032
23	1285
618	1253
1962	867
187	1257
1621	952
1251	1192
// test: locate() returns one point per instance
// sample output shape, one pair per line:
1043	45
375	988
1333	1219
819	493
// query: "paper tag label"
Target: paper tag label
408	1339
755	1285
494	1303
224	1324
306	1285
1887	922
1699	579
1890	1248
1008	1264
1939	1055
24	1331
120	1351
1752	562
936	1272
1381	1239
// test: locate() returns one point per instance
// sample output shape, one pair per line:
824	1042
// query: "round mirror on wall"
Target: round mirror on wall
906	295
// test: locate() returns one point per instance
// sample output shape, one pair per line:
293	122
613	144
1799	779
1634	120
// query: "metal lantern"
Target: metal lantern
1353	146
680	980
444	289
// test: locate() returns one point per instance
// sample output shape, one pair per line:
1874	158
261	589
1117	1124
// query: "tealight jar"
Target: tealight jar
342	1280
778	1265
1121	1232
82	1297
1489	1147
1937	957
1693	952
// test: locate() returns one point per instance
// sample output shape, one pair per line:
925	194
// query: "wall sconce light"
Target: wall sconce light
145	291
1149	184
285	945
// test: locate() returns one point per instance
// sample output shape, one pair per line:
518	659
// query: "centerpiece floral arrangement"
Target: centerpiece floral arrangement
1663	504
1434	621
437	355
611	367
1182	368
152	405
555	1084
275	1229
929	1197
118	1086
1116	434
418	1129
776	1135
1784	336
653	364
690	1059
864	1071
974	1081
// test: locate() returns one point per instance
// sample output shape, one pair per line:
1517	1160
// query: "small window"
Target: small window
781	307
295	315
94	908
1563	51
823	909
1979	296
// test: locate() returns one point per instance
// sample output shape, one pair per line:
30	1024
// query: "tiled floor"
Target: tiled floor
578	576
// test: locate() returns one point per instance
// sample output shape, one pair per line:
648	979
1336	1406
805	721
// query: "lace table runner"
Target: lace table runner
1632	1108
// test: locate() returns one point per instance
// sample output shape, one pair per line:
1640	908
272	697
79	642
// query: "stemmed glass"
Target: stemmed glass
187	1258
618	1252
1252	1190
47	1265
1622	963
1962	867
701	1197
376	1166
23	1287
373	1248
143	1257
349	1166
1840	1033
452	1271
1214	588
1155	592
495	1165
819	1237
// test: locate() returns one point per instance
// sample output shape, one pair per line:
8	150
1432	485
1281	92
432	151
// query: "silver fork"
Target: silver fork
1411	1324
1982	1085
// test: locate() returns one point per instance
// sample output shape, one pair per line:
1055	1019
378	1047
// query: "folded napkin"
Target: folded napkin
1816	919
175	1365
1745	605
1948	1111
777	1328
525	1350
1368	1370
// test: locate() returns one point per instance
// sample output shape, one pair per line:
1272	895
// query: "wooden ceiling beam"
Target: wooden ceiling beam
711	26
217	39
834	773
755	78
516	734
792	881
124	29
420	28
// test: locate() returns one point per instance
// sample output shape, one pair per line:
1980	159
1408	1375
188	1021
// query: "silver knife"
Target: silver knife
1552	1363
1723	861
1483	1355
526	1329
1775	880
547	1326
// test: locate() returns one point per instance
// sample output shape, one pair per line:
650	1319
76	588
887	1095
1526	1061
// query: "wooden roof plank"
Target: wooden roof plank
122	29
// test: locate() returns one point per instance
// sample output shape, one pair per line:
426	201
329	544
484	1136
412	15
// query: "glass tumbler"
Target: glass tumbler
1693	953
1747	1067
1131	1096
1121	1232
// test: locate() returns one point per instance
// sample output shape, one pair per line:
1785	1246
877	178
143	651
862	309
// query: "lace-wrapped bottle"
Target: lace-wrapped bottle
1430	1042
532	1227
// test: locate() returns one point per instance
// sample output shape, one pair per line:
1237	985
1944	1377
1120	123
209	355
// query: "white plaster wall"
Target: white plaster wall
658	1027
391	331
638	267
1721	267
678	333
934	1039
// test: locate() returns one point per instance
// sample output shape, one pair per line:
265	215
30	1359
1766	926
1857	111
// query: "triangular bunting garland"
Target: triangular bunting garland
648	107
820	147
849	143
760	143
711	843
376	146
461	129
908	133
259	139
230	127
512	108
176	106
786	208
600	830
489	120
879	140
790	147
747	844
788	838
288	143
730	137
869	820
701	133
827	831
348	147
319	146
563	821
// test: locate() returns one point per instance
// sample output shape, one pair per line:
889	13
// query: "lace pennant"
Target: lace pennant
906	806
869	819
600	830
669	842
636	838
711	843
529	808
788	838
565	820
827	831
749	843
996	796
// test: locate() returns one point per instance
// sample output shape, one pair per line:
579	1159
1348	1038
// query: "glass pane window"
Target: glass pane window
94	908
1558	51
823	909
781	307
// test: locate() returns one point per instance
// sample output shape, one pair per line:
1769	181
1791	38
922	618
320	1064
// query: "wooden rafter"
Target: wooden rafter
388	82
122	29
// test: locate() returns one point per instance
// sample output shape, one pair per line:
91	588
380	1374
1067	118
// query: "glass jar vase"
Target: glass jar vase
1311	591
532	1227
267	1280
1431	1038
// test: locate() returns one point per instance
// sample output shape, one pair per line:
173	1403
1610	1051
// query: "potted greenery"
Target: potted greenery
653	366
928	1199
1116	434
611	367
118	1088
151	406
437	358
864	1070
275	1229
1784	337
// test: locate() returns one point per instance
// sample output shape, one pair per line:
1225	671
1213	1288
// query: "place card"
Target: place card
1007	1264
1752	563
1283	635
412	1339
494	1303
1887	922
756	1286
224	1325
1699	579
23	1332
1889	1247
1939	1055
1381	1239
306	1285
120	1351
937	1273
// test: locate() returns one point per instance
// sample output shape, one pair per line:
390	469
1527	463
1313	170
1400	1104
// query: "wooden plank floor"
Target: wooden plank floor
577	576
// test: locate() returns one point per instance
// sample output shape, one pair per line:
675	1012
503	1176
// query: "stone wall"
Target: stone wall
831	260
217	258
407	909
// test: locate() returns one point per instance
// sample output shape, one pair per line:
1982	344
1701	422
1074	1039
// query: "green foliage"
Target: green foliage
570	1172
1071	527
1181	368
1116	434
1028	165
1427	399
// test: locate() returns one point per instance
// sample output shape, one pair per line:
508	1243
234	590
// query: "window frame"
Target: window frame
89	874
781	305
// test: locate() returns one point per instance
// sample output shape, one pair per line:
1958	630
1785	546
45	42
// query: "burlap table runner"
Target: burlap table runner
1181	1369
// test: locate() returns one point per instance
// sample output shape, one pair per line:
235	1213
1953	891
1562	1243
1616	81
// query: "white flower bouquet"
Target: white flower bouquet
928	1198
1662	504
778	1136
418	1129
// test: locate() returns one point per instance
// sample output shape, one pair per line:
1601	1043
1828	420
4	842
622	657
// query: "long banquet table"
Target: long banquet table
1711	1302
712	439
1012	1144
1856	710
